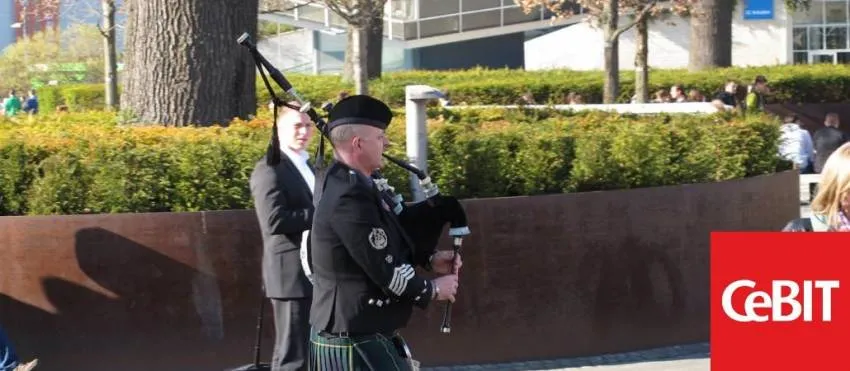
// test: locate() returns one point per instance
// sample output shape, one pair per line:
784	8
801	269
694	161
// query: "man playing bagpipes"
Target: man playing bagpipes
362	254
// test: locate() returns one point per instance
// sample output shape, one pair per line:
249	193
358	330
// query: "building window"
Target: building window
801	38
836	37
835	12
815	38
439	26
481	20
816	58
473	5
516	15
814	15
821	34
403	10
395	30
436	8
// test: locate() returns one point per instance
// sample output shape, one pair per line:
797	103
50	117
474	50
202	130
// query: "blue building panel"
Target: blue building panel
7	18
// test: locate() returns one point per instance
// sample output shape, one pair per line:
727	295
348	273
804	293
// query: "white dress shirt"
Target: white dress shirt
299	159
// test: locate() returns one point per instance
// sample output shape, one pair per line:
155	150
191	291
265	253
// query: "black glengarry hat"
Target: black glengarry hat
360	109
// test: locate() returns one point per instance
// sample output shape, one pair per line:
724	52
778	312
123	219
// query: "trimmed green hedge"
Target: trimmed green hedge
85	163
790	84
77	97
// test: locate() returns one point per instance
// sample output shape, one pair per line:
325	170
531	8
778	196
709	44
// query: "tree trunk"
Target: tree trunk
711	34
184	65
612	58
110	57
642	61
360	61
348	64
375	50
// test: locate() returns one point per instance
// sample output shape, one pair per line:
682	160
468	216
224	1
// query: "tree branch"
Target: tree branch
101	30
358	13
343	9
592	7
643	13
267	8
797	5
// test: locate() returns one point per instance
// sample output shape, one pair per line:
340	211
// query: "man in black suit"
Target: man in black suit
827	140
283	199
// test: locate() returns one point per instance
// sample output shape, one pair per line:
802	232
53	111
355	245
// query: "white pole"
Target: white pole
416	132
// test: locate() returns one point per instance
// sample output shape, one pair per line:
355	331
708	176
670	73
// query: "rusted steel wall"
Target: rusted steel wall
545	276
812	115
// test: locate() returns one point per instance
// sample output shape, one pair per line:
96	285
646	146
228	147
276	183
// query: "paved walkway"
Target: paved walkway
690	357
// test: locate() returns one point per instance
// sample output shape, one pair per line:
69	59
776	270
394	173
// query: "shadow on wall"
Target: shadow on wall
635	278
157	304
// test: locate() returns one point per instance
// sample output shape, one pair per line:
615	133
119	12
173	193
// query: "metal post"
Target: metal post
24	4
277	39
416	97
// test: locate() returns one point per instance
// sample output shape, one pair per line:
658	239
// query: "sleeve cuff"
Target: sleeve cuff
424	297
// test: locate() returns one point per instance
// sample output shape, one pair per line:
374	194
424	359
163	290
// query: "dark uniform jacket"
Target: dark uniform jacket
362	260
284	207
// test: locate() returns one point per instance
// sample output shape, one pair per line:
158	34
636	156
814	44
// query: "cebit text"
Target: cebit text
784	295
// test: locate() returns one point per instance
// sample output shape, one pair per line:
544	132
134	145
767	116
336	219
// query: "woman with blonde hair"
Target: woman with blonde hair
831	206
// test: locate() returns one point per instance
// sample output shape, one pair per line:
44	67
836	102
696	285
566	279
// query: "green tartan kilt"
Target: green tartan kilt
361	353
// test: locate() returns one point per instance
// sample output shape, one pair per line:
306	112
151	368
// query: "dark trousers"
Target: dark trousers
292	334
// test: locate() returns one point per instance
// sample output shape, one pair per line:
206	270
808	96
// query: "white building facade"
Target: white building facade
763	33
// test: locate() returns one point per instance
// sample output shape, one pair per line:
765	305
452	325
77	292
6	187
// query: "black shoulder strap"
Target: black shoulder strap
389	214
320	172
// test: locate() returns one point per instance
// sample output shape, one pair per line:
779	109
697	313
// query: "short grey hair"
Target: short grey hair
345	133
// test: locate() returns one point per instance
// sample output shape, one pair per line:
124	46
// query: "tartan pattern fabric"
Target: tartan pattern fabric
362	353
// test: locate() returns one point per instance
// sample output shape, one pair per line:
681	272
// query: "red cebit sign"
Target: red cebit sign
779	302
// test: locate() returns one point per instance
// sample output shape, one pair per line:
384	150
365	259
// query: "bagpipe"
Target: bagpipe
423	221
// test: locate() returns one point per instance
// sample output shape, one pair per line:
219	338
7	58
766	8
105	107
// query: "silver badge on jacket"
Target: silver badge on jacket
378	238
